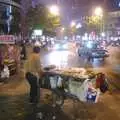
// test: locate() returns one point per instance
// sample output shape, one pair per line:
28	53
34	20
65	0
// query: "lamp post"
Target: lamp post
99	13
73	24
54	10
63	29
73	28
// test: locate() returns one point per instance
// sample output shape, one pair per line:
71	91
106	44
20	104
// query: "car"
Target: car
60	46
82	51
99	53
93	53
115	43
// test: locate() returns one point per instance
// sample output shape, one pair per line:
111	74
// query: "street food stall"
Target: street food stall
9	53
77	84
74	83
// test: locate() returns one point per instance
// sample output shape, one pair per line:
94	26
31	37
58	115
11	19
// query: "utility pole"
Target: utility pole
105	14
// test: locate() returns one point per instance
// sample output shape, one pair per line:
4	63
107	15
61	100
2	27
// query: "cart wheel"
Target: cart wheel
57	99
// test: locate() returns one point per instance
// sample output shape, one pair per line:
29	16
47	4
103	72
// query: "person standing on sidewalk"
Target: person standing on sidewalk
23	52
33	74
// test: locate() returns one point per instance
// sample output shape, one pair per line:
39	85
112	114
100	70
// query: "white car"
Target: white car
61	46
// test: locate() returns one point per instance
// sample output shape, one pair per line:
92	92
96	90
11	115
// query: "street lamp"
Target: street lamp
103	34
63	29
72	24
98	11
78	26
54	10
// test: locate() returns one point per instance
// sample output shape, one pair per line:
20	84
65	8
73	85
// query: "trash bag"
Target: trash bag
5	73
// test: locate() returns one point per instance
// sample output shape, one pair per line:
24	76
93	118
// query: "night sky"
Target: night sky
110	4
73	9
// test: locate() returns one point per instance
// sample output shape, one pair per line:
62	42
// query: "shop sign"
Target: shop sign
7	39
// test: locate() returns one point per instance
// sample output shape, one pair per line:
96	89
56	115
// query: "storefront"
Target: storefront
9	53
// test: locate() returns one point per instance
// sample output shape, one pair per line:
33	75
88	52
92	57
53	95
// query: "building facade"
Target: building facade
113	24
10	16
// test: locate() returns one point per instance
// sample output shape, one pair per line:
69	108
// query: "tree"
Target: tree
39	17
53	21
36	17
94	23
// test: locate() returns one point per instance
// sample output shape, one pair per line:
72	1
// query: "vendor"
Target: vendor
101	82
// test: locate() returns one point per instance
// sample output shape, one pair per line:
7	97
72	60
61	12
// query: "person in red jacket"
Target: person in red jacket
102	83
100	80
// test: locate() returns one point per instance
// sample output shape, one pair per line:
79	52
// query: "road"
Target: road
69	58
14	96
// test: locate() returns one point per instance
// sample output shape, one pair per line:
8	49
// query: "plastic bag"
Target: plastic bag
53	82
59	82
87	93
93	95
5	73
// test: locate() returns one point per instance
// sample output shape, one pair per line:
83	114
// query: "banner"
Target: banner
7	39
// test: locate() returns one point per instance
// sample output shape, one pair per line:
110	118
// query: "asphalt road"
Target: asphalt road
69	58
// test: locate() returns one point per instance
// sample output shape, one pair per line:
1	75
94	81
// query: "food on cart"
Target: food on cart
76	83
50	67
76	72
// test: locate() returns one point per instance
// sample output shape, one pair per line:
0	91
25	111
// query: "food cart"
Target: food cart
9	53
74	83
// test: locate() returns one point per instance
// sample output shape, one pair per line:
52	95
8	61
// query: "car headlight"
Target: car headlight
57	46
65	46
89	45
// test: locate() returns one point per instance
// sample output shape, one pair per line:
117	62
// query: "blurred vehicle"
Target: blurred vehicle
99	53
115	43
92	50
60	46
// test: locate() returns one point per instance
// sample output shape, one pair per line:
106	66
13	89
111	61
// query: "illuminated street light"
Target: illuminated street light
78	26
73	24
98	11
54	10
63	29
103	34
